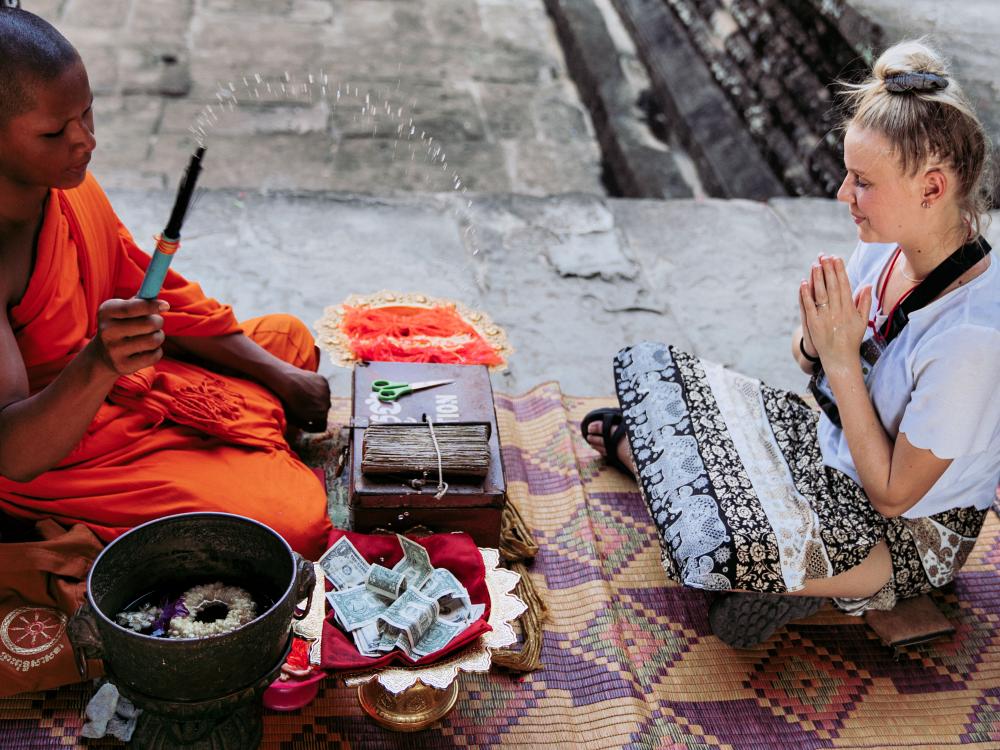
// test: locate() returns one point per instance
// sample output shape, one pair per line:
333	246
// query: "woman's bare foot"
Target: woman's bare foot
596	441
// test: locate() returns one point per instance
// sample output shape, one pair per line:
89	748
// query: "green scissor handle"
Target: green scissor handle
389	391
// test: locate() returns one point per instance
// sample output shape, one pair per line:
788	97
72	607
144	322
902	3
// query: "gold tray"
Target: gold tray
411	698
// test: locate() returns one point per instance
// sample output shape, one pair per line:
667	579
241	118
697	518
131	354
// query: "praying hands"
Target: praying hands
833	320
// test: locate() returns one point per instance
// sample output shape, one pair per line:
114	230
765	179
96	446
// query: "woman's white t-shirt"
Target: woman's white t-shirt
936	382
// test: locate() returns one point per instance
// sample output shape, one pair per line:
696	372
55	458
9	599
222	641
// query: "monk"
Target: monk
116	410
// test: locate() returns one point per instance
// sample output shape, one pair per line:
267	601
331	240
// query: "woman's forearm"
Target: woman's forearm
39	431
797	345
869	444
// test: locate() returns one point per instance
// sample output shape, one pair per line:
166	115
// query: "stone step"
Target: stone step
729	161
639	166
749	85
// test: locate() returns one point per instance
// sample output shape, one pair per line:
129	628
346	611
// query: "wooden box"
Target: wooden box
392	505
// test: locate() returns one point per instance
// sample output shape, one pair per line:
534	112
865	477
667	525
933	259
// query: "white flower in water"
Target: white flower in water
140	619
238	606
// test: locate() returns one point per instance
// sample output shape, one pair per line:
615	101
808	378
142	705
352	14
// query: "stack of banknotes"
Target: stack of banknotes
413	606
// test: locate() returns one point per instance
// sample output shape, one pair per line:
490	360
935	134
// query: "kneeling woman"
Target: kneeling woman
881	497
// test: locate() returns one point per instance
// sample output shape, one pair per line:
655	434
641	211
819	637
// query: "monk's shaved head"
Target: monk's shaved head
32	51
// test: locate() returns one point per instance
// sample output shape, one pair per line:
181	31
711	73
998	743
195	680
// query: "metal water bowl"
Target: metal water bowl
183	677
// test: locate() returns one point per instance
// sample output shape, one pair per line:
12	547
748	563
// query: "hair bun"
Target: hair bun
898	83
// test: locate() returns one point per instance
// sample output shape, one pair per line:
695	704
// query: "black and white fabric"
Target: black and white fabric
734	479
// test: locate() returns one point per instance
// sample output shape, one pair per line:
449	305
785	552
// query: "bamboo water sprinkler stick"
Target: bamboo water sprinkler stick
170	241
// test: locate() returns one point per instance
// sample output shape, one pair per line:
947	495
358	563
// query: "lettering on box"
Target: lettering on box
446	408
384	411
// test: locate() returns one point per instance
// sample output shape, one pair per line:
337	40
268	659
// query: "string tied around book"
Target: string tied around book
442	488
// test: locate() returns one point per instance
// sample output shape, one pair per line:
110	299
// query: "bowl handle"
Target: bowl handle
85	638
305	584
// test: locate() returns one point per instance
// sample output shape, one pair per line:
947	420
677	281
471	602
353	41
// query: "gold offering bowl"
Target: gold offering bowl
407	699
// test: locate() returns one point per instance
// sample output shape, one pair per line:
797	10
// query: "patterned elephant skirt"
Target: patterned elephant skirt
732	473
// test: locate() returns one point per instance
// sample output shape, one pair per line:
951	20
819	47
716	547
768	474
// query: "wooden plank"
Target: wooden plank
728	160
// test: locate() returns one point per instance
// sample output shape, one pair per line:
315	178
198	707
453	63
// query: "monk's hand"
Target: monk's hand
129	334
836	319
306	396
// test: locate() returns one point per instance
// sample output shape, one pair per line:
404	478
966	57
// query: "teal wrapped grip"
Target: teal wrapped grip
155	274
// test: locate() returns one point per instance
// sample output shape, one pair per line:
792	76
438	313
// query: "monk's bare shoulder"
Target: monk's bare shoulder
13	375
17	254
6	284
15	271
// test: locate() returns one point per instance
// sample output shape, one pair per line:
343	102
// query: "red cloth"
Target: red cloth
455	552
42	583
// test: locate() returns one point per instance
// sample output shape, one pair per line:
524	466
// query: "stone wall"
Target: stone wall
777	62
749	86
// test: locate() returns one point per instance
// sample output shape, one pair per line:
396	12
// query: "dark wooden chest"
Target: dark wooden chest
390	503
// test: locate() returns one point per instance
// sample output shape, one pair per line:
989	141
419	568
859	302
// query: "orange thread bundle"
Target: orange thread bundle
415	334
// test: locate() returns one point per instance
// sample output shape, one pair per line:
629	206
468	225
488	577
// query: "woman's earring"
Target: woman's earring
925	204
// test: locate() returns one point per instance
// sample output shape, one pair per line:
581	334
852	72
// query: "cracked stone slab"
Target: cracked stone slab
589	255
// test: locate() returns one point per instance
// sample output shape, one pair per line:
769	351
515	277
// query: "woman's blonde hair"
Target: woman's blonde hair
913	101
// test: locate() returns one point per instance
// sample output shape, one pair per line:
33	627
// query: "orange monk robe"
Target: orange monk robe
171	438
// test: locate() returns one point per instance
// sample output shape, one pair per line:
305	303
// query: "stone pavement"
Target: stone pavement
572	276
486	79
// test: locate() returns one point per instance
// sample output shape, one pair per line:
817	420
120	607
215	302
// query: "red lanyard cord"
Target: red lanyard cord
881	296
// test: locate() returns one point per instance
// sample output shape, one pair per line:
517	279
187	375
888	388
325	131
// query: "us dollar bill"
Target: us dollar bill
357	606
366	638
384	582
404	645
476	612
416	563
386	641
343	565
412	613
437	637
441	582
455	609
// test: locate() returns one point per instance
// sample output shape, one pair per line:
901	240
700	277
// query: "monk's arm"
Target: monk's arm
305	394
38	431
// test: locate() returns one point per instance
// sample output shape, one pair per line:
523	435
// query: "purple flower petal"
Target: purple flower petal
171	609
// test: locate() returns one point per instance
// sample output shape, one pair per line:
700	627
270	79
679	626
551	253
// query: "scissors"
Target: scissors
389	391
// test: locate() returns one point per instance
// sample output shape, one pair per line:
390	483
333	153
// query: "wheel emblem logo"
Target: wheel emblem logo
27	631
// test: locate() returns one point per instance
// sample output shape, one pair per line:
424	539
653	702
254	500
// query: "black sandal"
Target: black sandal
745	619
612	433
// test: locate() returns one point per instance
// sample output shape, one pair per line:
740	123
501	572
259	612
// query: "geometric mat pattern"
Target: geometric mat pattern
629	660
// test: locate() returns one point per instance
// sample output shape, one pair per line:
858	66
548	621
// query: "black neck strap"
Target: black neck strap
943	275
